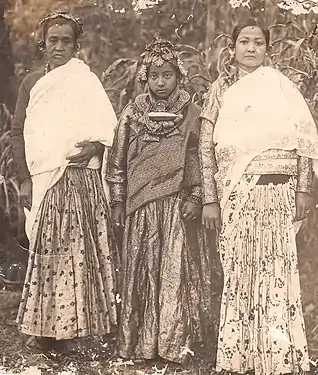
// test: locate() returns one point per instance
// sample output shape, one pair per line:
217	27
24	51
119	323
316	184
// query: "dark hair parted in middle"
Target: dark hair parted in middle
248	23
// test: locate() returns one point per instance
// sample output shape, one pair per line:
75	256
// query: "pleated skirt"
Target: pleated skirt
166	283
261	320
71	277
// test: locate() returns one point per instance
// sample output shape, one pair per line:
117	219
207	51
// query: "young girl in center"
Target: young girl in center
154	178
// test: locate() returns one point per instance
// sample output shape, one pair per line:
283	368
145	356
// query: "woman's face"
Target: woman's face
250	48
162	80
59	44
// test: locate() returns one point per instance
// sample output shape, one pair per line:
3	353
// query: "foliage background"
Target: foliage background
119	29
116	32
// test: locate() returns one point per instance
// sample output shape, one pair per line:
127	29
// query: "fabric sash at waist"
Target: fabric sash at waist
273	166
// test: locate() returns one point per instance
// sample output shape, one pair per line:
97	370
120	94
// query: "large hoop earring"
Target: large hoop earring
41	45
77	50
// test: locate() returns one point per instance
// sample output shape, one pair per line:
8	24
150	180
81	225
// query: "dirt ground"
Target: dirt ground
95	357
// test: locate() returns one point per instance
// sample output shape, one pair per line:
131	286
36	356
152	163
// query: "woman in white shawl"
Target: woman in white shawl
257	145
70	283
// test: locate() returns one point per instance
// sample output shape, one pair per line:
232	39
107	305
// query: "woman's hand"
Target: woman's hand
304	204
191	210
26	194
211	216
82	159
118	216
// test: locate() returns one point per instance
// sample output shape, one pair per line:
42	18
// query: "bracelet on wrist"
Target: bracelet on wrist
117	204
209	203
196	191
194	199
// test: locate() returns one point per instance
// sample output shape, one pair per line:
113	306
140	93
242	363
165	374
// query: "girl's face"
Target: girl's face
250	48
59	44
162	80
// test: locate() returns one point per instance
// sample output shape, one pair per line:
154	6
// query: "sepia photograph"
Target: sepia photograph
159	187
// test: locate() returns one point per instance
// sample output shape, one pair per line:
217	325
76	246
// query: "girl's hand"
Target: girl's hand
211	216
304	204
191	210
82	159
118	216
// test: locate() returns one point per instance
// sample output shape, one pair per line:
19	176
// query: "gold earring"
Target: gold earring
232	55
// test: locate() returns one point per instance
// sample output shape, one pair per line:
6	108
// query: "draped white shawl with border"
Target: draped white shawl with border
68	105
263	110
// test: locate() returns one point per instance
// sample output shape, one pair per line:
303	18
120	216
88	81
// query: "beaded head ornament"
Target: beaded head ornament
158	52
60	15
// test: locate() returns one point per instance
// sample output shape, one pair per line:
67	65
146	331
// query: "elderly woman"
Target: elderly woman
257	143
156	194
70	281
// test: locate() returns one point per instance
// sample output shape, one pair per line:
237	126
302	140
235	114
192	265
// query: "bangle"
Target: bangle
117	204
196	191
194	199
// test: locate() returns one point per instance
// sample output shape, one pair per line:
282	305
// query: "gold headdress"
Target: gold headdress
158	52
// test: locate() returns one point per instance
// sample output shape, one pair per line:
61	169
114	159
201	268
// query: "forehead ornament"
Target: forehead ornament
157	53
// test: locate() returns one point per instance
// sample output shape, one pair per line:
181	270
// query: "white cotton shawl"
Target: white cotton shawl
262	110
68	105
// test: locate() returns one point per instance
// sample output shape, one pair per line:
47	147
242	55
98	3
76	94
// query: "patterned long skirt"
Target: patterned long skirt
70	283
261	321
166	283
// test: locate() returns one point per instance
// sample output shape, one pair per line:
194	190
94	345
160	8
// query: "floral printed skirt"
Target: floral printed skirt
70	283
166	283
261	320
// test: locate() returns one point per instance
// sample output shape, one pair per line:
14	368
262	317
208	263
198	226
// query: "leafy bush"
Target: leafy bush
11	216
297	57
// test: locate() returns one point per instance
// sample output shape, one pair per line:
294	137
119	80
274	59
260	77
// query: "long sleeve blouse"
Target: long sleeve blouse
17	138
303	166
